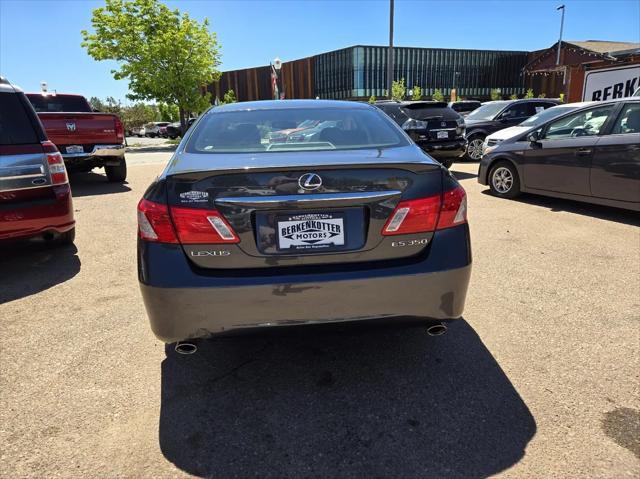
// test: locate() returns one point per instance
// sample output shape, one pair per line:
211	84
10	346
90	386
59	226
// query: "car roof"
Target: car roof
289	104
6	86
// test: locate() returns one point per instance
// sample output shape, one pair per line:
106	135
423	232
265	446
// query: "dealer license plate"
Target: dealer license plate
310	231
443	135
75	149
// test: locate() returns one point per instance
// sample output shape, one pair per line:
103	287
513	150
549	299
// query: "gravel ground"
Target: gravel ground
540	378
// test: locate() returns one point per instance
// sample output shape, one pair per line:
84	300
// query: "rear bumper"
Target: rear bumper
29	219
447	149
183	304
98	151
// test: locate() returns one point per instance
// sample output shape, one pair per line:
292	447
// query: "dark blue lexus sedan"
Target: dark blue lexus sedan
250	229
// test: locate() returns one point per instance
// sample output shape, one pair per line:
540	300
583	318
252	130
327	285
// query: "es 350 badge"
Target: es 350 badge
194	197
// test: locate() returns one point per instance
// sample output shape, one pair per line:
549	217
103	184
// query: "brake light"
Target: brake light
119	129
428	214
154	222
55	161
202	226
454	208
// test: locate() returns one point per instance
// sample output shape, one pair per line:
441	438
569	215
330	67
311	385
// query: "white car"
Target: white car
539	118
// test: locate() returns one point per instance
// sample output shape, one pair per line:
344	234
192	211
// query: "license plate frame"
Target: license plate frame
310	232
442	135
74	149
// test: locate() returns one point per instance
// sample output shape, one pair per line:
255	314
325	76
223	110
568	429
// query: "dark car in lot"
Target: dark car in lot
432	125
35	197
174	130
591	154
464	107
497	115
239	232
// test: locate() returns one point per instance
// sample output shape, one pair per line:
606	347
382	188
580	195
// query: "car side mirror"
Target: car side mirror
534	136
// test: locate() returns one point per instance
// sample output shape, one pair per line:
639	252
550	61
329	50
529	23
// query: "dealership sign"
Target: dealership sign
611	83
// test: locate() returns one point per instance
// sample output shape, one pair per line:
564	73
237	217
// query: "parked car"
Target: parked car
138	131
152	130
538	119
174	130
239	233
590	154
35	197
162	131
497	115
85	138
432	125
464	107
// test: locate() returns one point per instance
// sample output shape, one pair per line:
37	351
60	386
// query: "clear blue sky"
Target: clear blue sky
40	39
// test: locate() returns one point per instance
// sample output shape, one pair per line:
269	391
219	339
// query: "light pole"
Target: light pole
561	7
276	65
390	53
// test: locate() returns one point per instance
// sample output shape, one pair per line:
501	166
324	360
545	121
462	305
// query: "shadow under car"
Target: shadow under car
343	401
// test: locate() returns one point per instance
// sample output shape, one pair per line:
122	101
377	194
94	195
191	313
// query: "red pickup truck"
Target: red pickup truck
86	139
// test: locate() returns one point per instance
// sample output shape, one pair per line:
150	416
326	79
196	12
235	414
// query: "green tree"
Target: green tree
96	103
495	95
139	114
542	95
513	97
529	93
168	112
372	99
166	55
437	95
229	97
398	90
417	93
561	97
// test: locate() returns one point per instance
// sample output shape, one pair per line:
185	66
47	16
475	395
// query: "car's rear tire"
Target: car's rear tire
66	238
474	148
504	181
116	173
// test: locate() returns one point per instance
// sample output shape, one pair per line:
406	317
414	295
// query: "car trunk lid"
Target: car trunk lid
299	215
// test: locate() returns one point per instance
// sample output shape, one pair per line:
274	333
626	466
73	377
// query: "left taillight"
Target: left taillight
428	214
119	129
154	222
159	223
55	161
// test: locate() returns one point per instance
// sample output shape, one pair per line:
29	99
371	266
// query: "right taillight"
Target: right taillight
159	223
55	161
428	214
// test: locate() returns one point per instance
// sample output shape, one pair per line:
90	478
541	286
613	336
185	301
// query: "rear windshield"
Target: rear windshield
15	126
428	111
488	111
59	103
293	129
467	106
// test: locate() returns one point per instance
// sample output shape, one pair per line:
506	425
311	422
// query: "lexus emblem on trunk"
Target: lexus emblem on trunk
310	181
71	126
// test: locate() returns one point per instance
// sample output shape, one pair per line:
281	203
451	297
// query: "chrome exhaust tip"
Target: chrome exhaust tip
437	329
185	347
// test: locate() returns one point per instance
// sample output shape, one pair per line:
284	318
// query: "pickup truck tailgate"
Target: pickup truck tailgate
80	128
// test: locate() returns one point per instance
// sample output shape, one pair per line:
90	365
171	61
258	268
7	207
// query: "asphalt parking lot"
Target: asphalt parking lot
540	378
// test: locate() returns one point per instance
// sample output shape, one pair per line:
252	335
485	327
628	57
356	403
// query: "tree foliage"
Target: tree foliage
166	56
398	90
529	93
495	95
229	97
417	93
513	97
168	112
437	95
372	99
